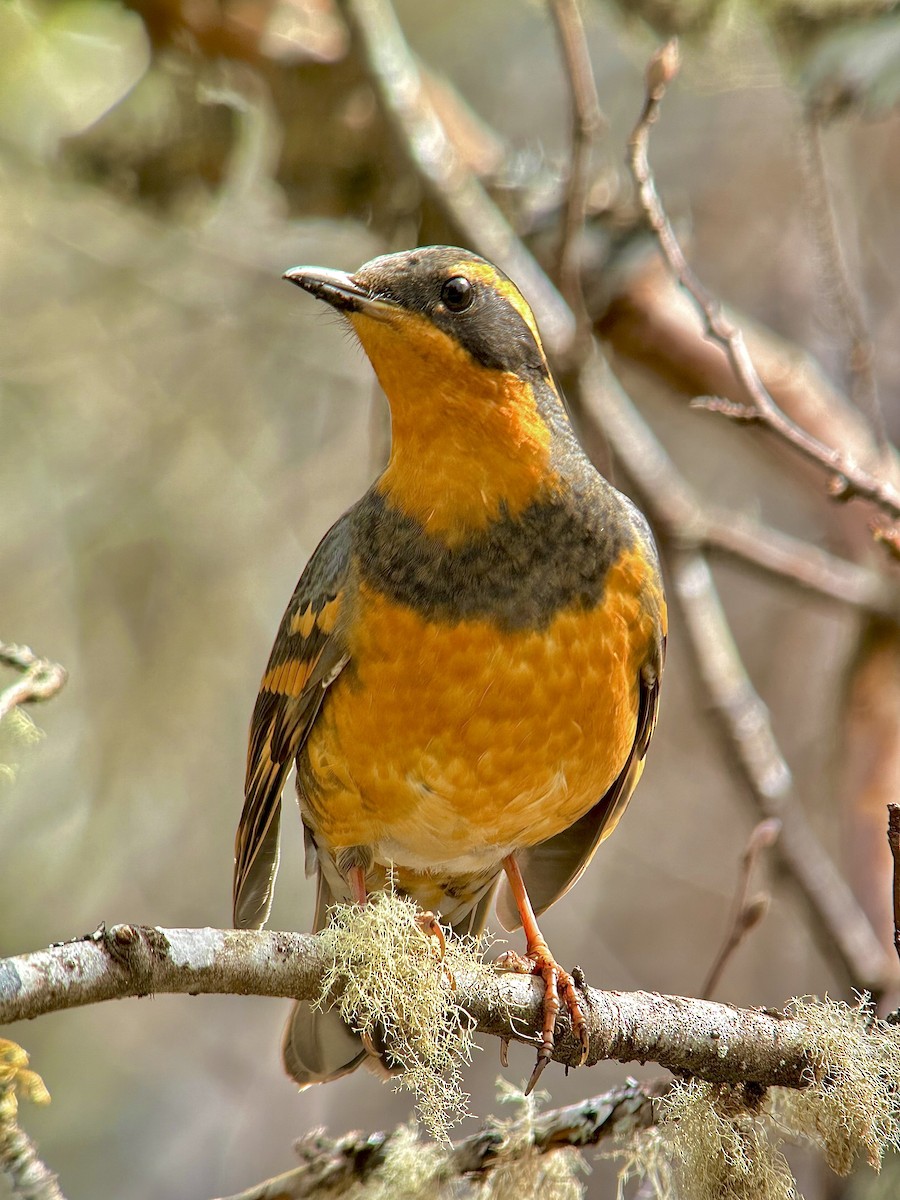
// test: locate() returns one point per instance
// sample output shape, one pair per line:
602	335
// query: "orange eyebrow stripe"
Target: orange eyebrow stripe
509	292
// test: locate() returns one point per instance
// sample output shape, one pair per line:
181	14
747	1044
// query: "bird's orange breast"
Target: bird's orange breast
449	744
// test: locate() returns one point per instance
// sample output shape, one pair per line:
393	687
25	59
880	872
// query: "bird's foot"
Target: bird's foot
559	989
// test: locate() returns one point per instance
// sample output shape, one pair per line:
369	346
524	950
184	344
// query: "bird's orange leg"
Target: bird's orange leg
539	961
356	877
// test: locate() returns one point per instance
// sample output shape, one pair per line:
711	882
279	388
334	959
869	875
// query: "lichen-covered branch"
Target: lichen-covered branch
713	1041
332	1166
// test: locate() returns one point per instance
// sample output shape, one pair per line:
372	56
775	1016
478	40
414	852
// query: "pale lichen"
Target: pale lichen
852	1106
522	1170
397	989
722	1141
517	1170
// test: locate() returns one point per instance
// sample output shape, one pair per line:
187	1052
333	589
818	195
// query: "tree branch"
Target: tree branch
716	1042
332	1166
848	478
894	843
398	81
843	931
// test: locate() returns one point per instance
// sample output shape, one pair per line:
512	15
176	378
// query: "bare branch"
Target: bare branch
41	680
801	563
461	196
652	321
331	1166
746	910
587	121
848	478
713	1041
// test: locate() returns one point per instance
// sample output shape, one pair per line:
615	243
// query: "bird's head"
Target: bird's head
457	351
438	304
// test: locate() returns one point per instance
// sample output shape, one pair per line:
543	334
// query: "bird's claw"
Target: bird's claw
428	923
559	988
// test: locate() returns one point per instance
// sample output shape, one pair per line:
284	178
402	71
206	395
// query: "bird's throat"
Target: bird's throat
467	443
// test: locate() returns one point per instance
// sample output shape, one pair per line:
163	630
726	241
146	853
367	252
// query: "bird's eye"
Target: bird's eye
457	293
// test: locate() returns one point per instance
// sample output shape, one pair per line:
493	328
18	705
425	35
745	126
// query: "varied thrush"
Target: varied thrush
467	674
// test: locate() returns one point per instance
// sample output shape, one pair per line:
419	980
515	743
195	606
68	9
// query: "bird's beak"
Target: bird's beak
336	288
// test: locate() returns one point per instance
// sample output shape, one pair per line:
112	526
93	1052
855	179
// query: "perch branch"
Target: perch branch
848	478
712	1041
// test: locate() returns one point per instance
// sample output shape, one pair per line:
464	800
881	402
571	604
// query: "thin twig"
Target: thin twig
842	290
847	478
836	917
331	1166
652	321
42	678
587	121
683	518
746	911
894	843
684	1035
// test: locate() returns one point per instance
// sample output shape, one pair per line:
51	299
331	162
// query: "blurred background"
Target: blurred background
180	428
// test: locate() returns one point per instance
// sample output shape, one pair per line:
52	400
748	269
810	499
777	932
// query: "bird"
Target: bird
467	675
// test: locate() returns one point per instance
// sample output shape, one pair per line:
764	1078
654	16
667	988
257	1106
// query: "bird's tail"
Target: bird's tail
319	1046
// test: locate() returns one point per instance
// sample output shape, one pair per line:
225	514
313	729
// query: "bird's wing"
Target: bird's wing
550	868
309	654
